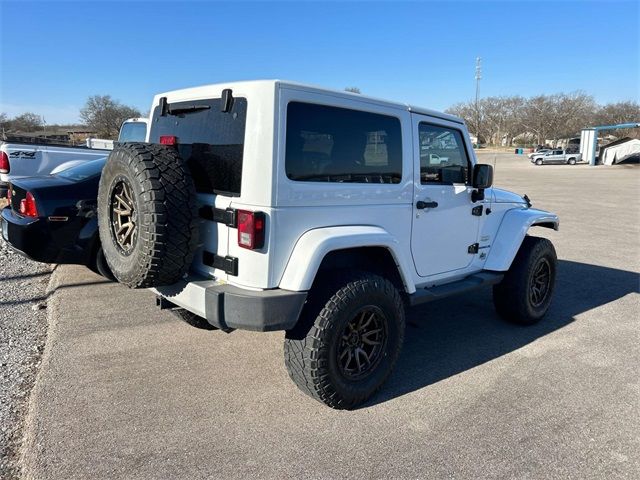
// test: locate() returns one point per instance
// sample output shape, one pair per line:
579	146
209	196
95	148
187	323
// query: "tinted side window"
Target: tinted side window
330	144
211	141
443	157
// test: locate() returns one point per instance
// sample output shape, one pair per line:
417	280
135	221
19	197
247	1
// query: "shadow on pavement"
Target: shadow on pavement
30	276
457	334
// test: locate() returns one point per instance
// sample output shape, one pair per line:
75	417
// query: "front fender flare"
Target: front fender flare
313	245
513	228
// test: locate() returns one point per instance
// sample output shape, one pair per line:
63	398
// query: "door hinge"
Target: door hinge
226	264
473	249
477	211
227	216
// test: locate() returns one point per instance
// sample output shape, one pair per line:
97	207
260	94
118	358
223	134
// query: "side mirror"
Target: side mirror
482	176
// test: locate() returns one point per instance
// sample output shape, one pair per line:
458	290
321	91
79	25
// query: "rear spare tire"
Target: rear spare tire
147	215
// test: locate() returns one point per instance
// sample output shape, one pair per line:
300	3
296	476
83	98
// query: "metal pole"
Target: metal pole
478	77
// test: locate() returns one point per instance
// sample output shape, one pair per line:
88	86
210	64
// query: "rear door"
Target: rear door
557	157
212	142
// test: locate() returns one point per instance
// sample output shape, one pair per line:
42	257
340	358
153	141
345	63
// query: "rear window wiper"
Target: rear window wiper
187	109
165	108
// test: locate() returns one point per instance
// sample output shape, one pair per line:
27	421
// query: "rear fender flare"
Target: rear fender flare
314	245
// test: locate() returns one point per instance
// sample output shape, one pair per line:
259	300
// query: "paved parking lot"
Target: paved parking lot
127	391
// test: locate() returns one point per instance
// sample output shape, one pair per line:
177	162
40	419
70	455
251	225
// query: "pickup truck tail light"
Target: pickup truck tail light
251	226
28	206
4	163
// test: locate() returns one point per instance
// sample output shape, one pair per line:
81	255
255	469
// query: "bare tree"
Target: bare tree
27	122
105	115
542	117
617	113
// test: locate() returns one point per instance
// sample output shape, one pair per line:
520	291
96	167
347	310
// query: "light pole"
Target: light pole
478	77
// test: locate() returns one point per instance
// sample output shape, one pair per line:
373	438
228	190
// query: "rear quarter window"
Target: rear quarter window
331	144
210	140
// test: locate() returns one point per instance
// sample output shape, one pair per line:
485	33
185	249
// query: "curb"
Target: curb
29	442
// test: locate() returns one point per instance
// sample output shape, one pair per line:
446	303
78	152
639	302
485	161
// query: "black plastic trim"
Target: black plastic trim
227	216
227	264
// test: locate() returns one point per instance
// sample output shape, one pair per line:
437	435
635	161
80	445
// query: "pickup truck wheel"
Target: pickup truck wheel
525	293
539	161
147	215
347	340
571	161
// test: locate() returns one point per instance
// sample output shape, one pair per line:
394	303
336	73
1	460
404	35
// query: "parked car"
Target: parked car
272	205
556	157
19	160
52	219
539	152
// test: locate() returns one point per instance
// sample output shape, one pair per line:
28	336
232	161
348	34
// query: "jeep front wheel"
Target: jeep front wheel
347	341
524	294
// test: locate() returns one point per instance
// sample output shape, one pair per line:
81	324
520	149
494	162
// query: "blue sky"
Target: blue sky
55	54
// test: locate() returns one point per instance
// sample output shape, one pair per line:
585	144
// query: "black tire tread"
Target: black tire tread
510	296
168	234
304	346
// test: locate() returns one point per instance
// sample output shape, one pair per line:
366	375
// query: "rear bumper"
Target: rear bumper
25	235
226	306
32	238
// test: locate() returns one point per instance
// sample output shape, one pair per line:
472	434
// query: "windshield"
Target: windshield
133	132
83	171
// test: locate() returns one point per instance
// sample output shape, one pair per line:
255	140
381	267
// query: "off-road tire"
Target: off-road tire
311	348
511	296
539	162
192	319
164	199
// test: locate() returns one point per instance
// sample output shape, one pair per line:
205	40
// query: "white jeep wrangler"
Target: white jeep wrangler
270	205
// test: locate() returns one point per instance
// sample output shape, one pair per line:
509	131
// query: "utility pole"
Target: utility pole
478	77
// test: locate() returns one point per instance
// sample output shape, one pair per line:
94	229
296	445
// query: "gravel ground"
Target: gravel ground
23	329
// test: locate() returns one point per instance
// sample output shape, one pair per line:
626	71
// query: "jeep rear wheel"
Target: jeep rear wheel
525	293
347	341
147	215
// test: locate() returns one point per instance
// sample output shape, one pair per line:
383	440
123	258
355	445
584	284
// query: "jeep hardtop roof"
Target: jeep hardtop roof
199	91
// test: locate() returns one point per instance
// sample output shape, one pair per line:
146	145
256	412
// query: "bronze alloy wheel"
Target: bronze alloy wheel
123	216
363	343
540	282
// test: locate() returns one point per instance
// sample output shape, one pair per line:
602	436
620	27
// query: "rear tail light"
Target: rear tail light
28	206
4	163
251	226
168	140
